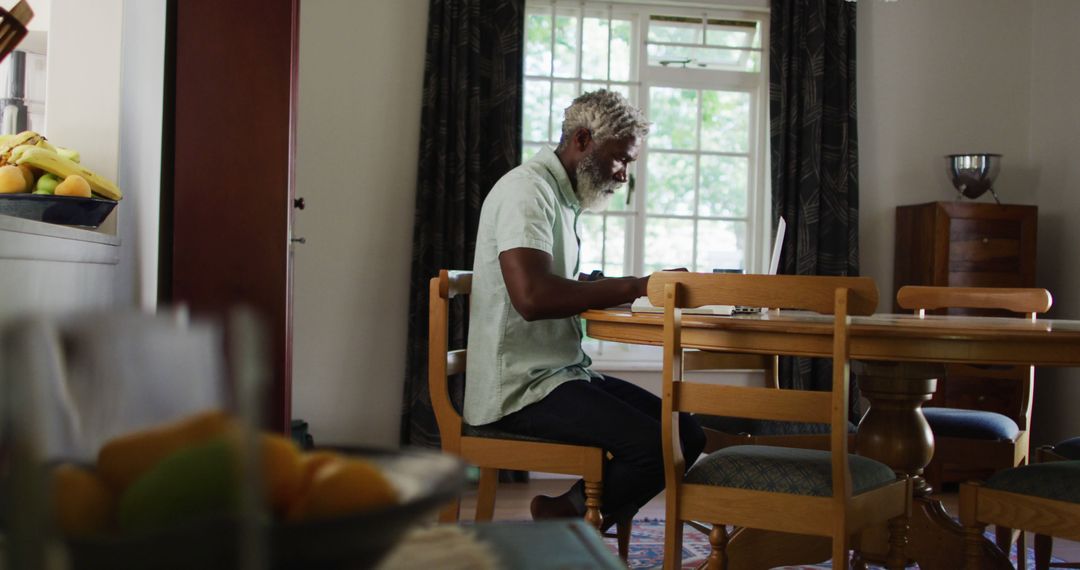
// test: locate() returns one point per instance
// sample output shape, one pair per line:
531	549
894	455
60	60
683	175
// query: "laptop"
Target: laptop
642	304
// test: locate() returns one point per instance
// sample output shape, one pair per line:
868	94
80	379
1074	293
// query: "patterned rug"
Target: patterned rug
647	547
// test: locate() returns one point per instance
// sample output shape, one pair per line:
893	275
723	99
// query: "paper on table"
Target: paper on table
642	305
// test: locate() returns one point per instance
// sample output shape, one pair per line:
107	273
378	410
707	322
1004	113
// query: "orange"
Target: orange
124	459
81	502
344	486
283	474
310	464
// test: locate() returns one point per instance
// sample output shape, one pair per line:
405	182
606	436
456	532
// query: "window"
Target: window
697	197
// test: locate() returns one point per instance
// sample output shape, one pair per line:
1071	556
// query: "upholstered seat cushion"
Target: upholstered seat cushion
492	433
747	426
1058	480
972	424
1070	448
784	470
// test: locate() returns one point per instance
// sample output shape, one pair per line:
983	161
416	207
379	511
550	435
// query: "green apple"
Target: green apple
46	184
194	481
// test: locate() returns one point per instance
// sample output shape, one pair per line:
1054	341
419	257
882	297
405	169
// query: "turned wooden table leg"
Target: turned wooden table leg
894	432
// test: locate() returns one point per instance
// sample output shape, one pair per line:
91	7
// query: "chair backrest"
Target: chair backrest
1027	301
442	362
839	296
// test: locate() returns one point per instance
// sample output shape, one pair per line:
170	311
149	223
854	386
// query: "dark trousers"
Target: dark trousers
619	417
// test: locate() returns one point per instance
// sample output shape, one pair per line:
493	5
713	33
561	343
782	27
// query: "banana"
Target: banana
23	138
45	144
50	161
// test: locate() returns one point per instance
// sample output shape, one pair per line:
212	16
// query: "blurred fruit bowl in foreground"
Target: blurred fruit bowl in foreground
179	496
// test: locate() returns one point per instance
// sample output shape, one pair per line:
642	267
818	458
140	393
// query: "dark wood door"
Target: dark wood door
229	187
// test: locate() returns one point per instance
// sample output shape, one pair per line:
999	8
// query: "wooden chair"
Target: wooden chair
811	492
968	442
1068	450
490	449
1043	498
726	431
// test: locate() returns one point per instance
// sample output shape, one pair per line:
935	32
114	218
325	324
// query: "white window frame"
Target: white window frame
624	357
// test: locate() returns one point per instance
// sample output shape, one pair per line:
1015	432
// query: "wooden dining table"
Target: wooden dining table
896	360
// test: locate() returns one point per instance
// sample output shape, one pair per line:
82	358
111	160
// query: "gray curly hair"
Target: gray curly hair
605	114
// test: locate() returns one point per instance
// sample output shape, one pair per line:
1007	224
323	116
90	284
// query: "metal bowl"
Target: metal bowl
973	174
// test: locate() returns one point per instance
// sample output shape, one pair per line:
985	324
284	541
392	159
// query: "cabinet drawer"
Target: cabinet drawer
984	246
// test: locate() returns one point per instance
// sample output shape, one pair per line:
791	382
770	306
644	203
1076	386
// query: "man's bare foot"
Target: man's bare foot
544	507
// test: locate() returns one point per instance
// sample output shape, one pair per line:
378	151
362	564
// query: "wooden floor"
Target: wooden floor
512	503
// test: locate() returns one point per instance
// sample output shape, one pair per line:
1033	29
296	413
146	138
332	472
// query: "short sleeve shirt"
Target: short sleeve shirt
512	362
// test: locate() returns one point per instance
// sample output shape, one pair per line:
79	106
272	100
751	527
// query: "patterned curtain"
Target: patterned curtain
470	135
815	151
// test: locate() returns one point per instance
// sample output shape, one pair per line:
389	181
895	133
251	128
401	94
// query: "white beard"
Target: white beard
594	191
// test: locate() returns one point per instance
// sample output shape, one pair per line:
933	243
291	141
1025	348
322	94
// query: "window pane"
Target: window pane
674	116
675	29
687	57
563	93
538	44
671	56
723	186
671	184
566	45
732	34
591	231
586	87
623	90
721	245
668	244
620	50
725	121
529	150
615	247
594	49
603	244
534	116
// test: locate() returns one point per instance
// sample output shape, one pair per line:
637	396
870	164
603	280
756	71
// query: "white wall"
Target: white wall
358	133
142	75
936	78
1055	139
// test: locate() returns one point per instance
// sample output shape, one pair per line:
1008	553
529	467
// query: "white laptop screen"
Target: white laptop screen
778	245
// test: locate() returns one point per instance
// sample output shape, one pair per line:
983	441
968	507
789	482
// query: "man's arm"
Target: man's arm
537	293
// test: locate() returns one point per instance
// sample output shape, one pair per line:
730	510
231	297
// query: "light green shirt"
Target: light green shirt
512	362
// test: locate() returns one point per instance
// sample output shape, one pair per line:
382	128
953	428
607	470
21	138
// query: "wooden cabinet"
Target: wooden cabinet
969	244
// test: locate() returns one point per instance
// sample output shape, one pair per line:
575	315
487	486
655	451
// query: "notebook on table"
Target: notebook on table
642	304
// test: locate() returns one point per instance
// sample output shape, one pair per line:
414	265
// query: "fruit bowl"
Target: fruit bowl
67	210
425	481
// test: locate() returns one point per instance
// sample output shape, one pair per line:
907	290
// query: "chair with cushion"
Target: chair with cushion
827	493
1043	498
969	440
974	441
1068	450
491	449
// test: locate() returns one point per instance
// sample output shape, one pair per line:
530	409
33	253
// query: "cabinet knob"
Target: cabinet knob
986	240
298	240
298	203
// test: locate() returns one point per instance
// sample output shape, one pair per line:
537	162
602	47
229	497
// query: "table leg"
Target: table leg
894	432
